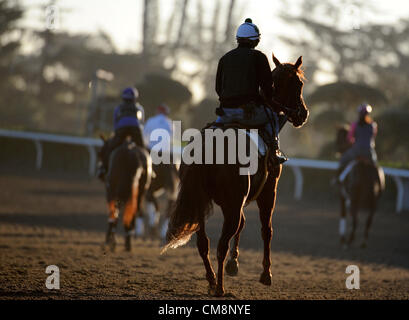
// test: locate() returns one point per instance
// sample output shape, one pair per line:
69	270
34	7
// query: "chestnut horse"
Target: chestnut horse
127	180
203	183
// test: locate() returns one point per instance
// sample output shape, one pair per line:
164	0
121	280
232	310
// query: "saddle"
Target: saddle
364	160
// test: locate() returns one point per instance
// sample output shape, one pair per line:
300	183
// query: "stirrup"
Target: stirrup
277	158
101	173
335	181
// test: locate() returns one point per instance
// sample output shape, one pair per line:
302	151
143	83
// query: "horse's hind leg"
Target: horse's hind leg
152	209
231	224
202	242
342	221
131	207
354	213
129	222
371	213
232	266
112	222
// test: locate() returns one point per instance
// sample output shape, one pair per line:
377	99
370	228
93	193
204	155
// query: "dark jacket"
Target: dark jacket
125	115
241	73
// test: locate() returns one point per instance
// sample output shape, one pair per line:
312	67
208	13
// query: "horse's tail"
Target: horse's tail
192	206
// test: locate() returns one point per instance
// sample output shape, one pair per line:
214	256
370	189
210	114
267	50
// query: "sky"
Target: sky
122	19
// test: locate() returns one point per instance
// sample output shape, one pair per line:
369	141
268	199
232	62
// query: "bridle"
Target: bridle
290	113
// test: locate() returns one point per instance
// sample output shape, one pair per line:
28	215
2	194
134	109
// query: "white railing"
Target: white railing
400	177
37	138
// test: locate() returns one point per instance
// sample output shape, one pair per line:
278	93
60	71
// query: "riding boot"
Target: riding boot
103	164
101	171
276	156
335	180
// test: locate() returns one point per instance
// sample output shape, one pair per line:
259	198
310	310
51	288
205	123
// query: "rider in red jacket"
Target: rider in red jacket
361	136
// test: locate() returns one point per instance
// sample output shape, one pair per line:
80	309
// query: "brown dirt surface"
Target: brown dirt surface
60	219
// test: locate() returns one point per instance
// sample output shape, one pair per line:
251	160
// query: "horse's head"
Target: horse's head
288	84
342	143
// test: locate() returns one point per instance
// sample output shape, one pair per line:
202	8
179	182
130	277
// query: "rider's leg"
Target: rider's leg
137	136
265	115
346	157
103	164
258	117
112	144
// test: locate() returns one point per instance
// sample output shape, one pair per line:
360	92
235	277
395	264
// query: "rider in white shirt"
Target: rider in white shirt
160	121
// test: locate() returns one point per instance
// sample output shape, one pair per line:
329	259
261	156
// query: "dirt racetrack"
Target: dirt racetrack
60	219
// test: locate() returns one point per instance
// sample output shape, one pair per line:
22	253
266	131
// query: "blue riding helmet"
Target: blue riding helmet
130	93
364	109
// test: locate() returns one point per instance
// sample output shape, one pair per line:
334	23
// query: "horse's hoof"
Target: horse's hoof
128	243
232	267
211	290
219	292
265	278
112	245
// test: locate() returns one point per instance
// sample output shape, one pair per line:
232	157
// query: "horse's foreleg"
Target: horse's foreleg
232	266
230	226
266	234
202	242
266	203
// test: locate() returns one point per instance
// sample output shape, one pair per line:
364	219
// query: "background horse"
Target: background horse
126	182
203	183
360	189
165	180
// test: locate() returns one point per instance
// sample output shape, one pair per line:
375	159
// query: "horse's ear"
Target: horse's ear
276	61
298	64
102	137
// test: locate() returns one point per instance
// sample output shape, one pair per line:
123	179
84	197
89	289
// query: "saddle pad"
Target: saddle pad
261	146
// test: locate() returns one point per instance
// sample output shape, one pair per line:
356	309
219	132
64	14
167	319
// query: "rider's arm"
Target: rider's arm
116	114
351	133
375	128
